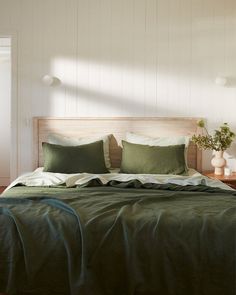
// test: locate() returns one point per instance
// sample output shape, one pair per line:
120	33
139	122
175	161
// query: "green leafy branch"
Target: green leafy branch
219	141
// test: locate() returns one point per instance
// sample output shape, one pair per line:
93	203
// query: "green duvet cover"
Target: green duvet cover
119	239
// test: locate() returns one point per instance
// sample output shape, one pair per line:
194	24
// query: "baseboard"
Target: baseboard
4	181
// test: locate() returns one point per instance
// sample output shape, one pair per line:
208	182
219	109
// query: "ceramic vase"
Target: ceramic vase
218	162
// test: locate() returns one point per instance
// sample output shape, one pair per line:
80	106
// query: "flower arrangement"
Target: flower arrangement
219	141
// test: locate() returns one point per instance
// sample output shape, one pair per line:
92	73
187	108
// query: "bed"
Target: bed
114	233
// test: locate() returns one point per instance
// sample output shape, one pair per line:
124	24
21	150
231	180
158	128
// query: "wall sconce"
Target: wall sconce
221	81
50	80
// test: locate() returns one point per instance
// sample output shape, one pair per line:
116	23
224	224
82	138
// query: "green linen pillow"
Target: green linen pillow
145	159
74	159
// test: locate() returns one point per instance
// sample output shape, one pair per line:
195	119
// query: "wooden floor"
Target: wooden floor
2	188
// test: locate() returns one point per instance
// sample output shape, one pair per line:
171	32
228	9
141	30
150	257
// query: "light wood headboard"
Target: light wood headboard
94	127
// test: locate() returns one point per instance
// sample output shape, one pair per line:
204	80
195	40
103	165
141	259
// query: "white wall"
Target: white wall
123	58
5	86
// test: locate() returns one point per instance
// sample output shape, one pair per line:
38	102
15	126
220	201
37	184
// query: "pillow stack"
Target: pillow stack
146	155
140	155
76	155
72	141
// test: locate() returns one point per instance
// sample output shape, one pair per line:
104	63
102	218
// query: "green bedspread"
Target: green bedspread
120	239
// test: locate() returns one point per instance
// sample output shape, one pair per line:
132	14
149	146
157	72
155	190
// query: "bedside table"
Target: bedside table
229	180
2	188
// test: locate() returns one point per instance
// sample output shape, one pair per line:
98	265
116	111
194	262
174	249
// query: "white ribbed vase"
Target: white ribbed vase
218	162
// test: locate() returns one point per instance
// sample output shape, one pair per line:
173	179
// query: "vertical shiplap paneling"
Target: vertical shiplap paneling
25	69
48	38
218	53
230	66
162	62
6	8
197	99
53	55
105	95
123	58
83	58
174	58
128	32
139	57
185	41
118	47
70	58
125	61
230	59
150	59
13	14
205	52
94	84
58	55
39	102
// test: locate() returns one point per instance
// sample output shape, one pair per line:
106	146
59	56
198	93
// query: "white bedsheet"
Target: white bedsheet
40	178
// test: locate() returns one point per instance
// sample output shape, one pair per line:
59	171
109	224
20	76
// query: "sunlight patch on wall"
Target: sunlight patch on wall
92	88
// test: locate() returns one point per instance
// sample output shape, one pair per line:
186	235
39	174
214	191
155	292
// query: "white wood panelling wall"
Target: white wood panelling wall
123	58
5	93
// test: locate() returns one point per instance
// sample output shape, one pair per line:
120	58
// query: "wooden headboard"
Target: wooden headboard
94	127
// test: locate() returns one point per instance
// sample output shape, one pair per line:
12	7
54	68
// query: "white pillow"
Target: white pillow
72	141
158	141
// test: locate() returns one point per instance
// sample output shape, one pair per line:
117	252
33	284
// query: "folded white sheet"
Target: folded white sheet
40	178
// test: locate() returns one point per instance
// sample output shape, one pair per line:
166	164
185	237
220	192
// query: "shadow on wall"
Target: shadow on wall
123	103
